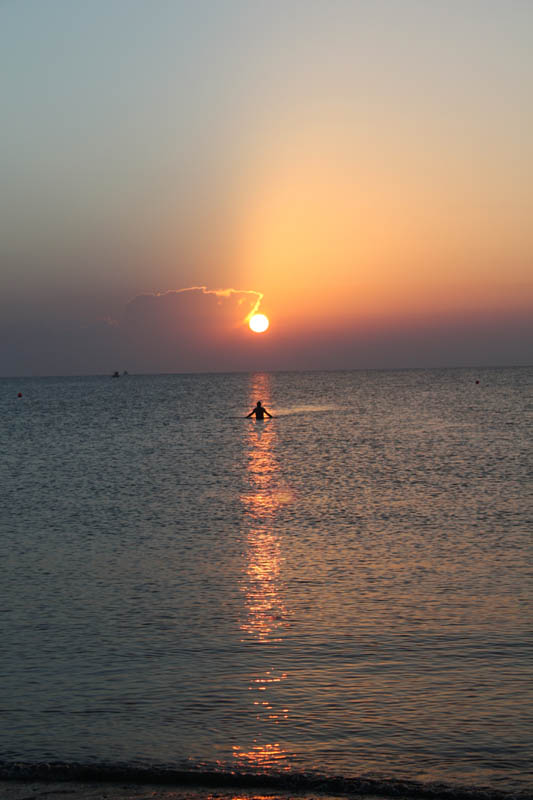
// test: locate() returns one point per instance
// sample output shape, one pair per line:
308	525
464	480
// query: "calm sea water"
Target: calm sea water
342	590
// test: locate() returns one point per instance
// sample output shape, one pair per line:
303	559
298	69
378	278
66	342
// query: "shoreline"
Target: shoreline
27	789
123	786
54	789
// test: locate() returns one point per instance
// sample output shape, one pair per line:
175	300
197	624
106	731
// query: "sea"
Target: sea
336	599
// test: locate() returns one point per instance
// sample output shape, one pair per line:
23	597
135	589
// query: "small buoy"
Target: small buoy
19	394
477	381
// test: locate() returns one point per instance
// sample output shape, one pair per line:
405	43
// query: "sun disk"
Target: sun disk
258	323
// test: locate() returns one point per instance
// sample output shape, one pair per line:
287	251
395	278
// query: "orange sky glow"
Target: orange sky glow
364	173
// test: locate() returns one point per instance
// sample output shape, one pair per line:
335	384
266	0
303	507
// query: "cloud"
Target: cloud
191	311
191	329
187	329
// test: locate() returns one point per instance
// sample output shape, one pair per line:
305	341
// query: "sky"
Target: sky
360	172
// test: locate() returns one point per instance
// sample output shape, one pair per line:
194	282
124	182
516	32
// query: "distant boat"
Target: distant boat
116	375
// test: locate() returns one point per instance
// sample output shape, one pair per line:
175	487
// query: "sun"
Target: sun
258	323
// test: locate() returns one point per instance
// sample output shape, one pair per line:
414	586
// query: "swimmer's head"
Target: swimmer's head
259	402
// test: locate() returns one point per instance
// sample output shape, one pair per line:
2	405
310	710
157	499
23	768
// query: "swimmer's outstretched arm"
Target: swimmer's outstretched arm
266	412
252	412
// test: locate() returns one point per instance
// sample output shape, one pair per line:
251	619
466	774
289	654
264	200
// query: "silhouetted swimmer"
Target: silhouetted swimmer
259	412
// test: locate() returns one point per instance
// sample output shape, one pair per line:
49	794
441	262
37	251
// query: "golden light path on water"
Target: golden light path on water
266	612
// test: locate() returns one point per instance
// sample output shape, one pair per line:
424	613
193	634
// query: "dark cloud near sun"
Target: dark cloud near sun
191	329
187	329
193	311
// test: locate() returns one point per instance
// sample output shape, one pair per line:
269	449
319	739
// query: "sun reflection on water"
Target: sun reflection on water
266	610
261	757
266	615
